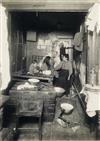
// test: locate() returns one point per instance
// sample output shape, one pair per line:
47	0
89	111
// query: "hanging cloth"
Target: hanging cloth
78	43
93	18
4	50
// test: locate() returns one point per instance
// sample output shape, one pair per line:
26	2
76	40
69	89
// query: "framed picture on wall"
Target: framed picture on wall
31	36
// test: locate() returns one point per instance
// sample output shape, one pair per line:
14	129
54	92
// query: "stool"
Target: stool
27	107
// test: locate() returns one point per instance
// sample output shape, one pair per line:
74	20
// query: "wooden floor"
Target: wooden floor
54	131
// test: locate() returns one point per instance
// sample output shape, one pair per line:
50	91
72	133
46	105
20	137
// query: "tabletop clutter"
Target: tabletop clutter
30	84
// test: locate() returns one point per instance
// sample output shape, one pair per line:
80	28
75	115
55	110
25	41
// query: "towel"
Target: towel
92	99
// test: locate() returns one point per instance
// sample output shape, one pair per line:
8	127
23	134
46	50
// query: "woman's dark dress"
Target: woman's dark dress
63	81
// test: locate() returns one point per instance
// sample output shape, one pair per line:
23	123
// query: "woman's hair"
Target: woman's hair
47	61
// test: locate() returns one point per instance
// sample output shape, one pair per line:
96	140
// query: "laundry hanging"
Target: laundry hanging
93	18
78	43
4	50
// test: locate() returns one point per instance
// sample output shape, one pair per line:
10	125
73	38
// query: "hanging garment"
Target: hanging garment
93	18
4	50
78	43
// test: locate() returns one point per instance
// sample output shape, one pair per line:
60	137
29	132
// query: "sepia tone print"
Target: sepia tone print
49	70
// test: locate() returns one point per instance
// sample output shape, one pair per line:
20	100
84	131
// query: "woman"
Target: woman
64	70
46	65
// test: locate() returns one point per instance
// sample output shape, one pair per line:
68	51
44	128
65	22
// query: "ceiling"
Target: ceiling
49	5
65	21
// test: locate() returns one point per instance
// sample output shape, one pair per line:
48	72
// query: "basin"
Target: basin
68	108
59	91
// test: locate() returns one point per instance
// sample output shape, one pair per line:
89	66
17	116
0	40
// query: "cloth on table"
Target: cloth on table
26	85
92	99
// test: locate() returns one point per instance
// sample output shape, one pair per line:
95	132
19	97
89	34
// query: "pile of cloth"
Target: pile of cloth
93	18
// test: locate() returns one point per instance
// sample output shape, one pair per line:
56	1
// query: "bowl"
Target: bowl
33	81
68	108
59	91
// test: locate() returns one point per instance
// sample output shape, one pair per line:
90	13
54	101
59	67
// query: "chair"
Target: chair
29	106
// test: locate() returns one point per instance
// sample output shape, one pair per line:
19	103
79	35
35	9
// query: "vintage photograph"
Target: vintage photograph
49	70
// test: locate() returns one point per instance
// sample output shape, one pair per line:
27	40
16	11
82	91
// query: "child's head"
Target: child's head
65	57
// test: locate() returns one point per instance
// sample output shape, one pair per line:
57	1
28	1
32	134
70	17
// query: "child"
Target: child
33	67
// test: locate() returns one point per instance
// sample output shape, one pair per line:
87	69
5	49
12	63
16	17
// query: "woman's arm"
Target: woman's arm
58	67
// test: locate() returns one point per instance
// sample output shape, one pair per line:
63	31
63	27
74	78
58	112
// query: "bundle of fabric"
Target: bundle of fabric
93	18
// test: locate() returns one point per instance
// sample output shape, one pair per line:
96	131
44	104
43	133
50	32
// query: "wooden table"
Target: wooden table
43	91
22	77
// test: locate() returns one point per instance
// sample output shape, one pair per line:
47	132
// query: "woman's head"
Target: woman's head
47	60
